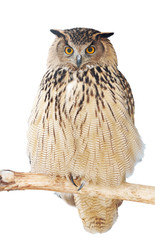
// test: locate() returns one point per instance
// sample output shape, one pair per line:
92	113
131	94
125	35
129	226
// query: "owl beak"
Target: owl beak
78	60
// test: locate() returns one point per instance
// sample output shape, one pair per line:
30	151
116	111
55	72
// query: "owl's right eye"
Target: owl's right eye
68	50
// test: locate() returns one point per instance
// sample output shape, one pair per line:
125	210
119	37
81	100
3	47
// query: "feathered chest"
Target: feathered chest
82	122
68	94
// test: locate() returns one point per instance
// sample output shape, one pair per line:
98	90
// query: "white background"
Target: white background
24	42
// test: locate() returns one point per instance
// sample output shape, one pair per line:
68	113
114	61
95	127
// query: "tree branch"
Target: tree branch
10	180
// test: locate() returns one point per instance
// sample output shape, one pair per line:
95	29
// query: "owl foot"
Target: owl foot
72	180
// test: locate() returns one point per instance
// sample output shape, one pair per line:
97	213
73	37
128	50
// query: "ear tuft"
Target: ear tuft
58	33
104	35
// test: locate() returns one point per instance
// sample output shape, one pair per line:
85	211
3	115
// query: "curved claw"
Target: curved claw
72	180
81	186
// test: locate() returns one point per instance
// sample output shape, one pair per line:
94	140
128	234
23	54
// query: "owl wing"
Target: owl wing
108	144
128	95
48	128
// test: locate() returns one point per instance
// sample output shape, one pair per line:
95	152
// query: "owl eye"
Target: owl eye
68	50
90	50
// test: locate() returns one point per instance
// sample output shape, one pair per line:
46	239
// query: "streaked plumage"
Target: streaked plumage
82	122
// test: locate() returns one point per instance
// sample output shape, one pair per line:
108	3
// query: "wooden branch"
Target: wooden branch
10	180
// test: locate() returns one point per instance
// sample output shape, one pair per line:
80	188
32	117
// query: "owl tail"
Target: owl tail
97	214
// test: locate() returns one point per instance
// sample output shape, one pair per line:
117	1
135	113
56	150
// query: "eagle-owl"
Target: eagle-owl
82	123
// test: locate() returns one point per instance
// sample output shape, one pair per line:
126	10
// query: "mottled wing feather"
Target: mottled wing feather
47	140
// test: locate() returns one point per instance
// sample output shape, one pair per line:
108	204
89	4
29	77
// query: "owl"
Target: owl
82	123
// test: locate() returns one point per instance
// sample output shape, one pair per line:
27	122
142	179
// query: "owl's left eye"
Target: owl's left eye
90	49
68	50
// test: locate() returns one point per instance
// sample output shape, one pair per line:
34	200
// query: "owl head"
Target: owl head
79	48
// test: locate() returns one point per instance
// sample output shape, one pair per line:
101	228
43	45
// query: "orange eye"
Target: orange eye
90	50
68	50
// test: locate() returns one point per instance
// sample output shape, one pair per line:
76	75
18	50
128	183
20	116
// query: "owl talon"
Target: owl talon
81	186
58	194
72	180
